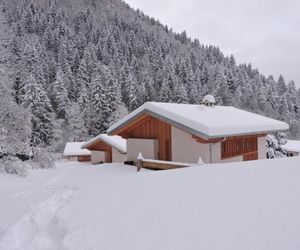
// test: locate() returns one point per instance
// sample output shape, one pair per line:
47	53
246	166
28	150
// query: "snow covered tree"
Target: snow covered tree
274	143
36	100
15	126
60	95
76	125
180	94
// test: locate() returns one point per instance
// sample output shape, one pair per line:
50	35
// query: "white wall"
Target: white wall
148	147
262	147
98	156
118	156
186	149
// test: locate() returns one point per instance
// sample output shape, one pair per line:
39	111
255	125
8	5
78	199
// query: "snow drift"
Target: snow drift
245	205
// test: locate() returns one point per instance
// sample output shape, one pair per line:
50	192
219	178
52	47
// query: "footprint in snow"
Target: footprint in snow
41	227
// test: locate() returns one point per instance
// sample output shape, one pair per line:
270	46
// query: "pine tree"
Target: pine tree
36	100
291	95
76	124
180	93
60	94
281	85
165	93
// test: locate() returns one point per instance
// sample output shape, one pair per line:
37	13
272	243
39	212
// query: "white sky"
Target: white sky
265	33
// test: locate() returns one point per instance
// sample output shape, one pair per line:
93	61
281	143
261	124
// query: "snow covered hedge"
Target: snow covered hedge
13	165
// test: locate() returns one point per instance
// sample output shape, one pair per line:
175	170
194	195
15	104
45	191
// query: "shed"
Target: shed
292	148
74	152
106	148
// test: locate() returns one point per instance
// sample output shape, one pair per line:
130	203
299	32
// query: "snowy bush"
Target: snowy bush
274	143
13	165
42	159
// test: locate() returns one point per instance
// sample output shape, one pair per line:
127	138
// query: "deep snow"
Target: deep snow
248	205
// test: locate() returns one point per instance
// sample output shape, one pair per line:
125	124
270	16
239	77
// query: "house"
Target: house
185	132
74	152
292	148
106	148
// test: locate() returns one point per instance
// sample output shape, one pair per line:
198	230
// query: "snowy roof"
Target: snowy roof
113	140
74	149
292	145
206	122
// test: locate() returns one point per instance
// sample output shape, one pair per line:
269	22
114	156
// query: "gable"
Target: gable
148	127
100	146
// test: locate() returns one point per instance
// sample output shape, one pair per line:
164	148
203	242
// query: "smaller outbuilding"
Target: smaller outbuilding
106	149
292	148
74	152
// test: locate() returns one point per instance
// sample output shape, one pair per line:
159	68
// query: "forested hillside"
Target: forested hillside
70	68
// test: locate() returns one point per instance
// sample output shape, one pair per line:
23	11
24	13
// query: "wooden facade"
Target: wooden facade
83	158
101	146
246	146
147	127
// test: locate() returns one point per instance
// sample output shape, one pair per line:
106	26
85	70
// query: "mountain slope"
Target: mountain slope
79	66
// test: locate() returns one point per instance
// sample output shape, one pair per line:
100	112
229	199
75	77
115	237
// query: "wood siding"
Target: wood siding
101	146
147	127
83	158
250	156
241	145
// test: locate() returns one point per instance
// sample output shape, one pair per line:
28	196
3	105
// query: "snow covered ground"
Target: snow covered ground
252	205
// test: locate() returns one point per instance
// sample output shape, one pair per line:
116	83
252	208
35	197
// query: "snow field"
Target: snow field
248	205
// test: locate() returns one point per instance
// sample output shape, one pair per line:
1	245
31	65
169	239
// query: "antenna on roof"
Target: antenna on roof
208	101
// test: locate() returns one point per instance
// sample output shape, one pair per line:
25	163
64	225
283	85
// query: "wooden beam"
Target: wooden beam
160	165
204	141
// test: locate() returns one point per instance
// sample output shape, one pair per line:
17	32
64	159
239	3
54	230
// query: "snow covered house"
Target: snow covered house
185	132
106	148
74	152
292	148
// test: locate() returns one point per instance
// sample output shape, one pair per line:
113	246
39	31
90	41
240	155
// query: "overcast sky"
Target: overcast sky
263	32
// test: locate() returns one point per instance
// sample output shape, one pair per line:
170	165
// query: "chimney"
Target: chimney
208	101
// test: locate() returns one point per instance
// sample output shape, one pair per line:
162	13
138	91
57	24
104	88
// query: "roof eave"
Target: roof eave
249	133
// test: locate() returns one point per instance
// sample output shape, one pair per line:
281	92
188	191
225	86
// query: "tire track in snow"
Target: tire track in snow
41	228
